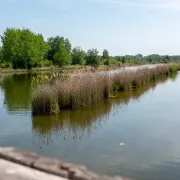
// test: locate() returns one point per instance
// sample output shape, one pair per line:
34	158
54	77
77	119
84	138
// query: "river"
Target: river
146	121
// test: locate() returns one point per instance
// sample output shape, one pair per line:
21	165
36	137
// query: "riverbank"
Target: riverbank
74	92
32	166
70	69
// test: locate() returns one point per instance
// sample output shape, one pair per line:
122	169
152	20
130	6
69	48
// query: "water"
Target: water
146	120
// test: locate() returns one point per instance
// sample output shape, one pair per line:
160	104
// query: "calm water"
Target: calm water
147	120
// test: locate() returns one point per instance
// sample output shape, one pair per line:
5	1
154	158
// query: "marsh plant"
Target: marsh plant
80	90
48	78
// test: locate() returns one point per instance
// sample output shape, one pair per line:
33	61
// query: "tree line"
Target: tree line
22	48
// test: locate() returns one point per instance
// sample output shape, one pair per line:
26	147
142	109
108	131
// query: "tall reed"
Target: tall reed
85	89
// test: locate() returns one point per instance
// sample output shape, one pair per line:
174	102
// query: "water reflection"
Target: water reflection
72	125
91	136
17	93
76	124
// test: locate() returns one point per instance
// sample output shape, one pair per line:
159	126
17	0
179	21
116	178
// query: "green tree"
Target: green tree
68	46
78	56
105	54
23	48
167	59
92	57
61	57
1	58
124	60
55	44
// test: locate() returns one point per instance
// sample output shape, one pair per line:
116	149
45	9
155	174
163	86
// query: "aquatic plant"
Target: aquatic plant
84	89
174	67
48	78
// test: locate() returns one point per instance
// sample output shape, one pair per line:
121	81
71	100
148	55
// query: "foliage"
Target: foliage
61	57
5	65
105	54
173	68
60	51
47	78
23	48
78	56
45	63
92	57
1	58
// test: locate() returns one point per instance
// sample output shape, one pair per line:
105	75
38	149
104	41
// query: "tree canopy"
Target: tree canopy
23	48
60	51
78	56
93	57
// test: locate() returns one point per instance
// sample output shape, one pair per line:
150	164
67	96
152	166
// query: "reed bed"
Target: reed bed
85	89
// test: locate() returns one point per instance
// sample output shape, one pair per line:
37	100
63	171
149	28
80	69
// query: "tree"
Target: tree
139	57
78	56
68	46
167	59
124	60
92	57
105	54
55	43
1	55
61	57
23	48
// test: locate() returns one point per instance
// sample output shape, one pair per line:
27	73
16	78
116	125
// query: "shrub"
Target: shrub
6	65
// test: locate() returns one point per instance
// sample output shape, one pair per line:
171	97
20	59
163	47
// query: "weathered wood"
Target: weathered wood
12	171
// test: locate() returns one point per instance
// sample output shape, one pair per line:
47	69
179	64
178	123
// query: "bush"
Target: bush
6	65
173	68
45	63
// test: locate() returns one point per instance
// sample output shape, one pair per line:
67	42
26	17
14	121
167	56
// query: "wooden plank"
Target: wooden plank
12	171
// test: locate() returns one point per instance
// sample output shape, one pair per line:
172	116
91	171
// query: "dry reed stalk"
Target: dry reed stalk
86	89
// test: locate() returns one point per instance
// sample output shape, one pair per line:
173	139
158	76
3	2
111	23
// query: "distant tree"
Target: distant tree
92	57
105	54
23	48
61	57
151	60
55	43
124	60
167	59
68	46
1	58
139	57
78	56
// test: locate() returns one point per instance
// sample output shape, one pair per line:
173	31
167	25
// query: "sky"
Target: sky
121	26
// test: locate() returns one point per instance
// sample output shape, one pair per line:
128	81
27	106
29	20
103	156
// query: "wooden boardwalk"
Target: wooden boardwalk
20	165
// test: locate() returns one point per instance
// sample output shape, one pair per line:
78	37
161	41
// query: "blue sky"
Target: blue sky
121	26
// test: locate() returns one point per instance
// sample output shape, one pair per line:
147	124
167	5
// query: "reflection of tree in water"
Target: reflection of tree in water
75	124
71	124
17	92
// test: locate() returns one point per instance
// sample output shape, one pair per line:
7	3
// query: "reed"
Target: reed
80	90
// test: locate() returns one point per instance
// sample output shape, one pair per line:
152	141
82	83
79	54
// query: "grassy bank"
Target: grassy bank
82	90
70	69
